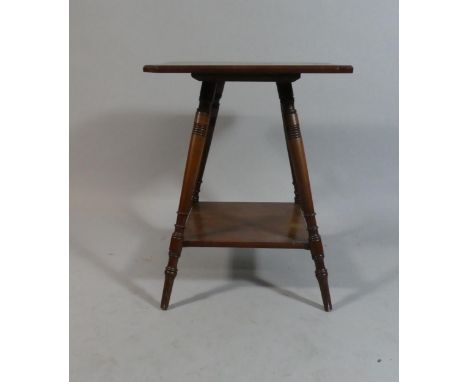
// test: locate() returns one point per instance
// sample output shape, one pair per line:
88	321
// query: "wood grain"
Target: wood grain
246	225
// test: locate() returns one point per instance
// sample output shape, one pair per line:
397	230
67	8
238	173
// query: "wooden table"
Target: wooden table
245	225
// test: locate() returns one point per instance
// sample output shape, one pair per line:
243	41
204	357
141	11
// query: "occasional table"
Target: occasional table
246	224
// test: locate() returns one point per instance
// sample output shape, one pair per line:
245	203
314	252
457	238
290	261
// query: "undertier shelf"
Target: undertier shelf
246	225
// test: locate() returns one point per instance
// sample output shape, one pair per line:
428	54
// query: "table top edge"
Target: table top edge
248	68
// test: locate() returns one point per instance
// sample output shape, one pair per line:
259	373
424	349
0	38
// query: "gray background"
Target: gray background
236	314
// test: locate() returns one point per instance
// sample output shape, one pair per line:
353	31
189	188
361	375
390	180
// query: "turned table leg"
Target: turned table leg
209	137
301	178
192	170
294	182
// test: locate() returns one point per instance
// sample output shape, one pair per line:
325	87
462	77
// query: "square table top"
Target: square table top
244	68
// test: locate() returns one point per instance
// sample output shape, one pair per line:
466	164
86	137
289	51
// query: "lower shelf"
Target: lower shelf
246	225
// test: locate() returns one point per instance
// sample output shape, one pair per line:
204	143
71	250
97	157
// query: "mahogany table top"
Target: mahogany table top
240	68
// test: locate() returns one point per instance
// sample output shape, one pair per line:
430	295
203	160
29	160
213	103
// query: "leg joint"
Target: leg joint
174	255
313	234
293	131
177	235
171	271
321	273
318	257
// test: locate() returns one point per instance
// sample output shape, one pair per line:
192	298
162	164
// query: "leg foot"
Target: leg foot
322	277
168	282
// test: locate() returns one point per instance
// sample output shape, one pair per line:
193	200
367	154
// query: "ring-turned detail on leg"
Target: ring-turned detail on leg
301	178
296	192
192	170
209	137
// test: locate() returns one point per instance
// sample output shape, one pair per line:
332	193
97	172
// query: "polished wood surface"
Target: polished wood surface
218	68
246	225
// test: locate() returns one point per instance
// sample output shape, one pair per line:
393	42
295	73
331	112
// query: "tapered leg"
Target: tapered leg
299	166
192	170
209	137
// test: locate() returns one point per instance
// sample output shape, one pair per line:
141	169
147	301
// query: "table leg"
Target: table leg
191	174
209	137
299	166
296	192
